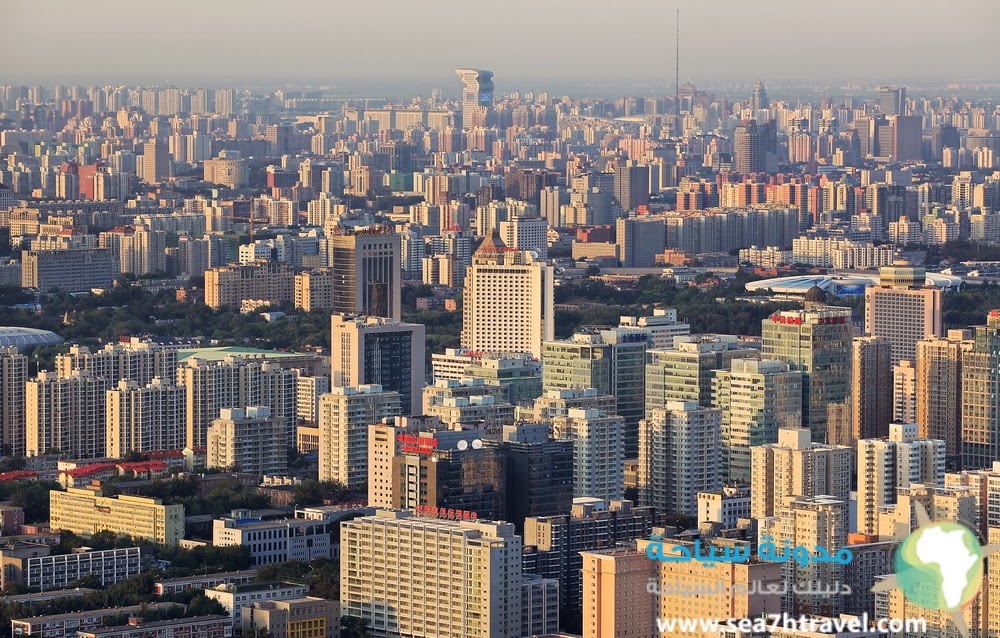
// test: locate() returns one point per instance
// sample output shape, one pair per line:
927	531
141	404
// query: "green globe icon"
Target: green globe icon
940	566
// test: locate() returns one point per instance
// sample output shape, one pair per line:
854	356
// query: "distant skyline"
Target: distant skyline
393	46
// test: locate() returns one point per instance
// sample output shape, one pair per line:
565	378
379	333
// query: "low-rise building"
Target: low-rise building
234	598
167	586
31	565
273	541
199	627
305	617
67	625
84	511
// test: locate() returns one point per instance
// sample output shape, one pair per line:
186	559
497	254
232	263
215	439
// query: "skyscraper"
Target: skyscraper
374	350
892	100
871	388
367	272
13	374
756	400
66	414
639	241
759	101
816	521
685	372
817	342
145	418
155	162
247	440
981	396
902	309
599	451
755	148
631	182
507	302
477	97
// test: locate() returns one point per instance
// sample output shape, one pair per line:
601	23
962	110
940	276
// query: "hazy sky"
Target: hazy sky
368	42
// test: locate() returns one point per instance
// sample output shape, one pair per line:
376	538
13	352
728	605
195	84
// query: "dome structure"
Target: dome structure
816	295
23	338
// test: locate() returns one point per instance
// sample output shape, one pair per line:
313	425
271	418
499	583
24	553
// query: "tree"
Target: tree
352	627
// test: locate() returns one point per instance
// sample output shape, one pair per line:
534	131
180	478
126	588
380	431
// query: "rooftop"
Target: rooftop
218	354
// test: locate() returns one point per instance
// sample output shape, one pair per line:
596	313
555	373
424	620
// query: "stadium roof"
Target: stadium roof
22	338
218	354
800	284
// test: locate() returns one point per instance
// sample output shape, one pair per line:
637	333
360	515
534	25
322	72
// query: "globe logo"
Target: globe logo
940	567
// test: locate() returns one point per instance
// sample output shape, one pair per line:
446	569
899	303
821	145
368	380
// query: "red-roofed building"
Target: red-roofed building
84	475
18	475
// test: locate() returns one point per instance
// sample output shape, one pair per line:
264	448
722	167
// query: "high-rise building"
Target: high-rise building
939	390
755	148
155	162
477	97
138	360
661	327
871	387
795	466
402	558
368	350
685	372
892	100
13	375
611	360
679	456
814	521
552	544
248	440
884	465
367	273
759	101
631	182
264	280
234	382
980	388
902	309
76	268
66	414
344	417
539	472
756	399
145	418
508	299
526	233
639	241
817	342
904	392
599	451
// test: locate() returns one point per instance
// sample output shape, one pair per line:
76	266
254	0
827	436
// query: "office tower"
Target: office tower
155	162
247	440
886	464
229	286
344	417
795	466
662	327
902	309
539	472
145	418
593	194
65	414
817	342
609	360
892	100
598	451
639	241
756	399
84	511
552	544
477	97
685	372
13	375
939	390
759	101
907	143
526	233
139	361
234	382
813	522
679	456
631	184
479	596
904	392
367	273
370	350
507	303
755	148
980	435
449	470
871	387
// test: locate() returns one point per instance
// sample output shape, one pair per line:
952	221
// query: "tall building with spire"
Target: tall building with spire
507	302
759	101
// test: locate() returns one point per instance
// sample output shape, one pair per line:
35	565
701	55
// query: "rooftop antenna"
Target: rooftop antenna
677	64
